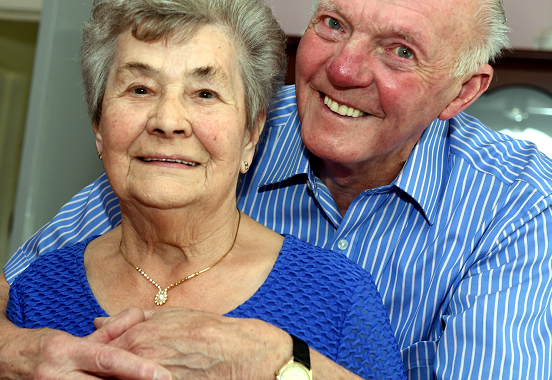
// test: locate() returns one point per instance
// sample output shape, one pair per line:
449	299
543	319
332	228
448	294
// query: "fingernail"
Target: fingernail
162	374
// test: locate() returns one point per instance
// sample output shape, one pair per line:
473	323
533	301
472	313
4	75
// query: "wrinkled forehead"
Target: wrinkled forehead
429	8
427	22
208	55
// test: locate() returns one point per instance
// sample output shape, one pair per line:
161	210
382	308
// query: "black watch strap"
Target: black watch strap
301	351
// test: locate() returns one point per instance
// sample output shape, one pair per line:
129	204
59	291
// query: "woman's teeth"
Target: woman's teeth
342	109
169	160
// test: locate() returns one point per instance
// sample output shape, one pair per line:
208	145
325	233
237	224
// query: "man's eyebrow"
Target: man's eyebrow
329	5
409	37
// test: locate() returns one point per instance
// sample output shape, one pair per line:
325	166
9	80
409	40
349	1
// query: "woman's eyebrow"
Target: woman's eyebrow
210	73
204	73
138	67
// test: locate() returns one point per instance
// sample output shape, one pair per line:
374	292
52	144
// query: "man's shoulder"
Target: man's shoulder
507	159
285	96
282	107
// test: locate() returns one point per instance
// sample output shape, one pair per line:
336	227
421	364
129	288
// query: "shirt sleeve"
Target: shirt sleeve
93	211
368	346
499	321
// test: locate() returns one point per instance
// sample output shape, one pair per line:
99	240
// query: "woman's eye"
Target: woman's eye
140	91
332	23
403	52
206	94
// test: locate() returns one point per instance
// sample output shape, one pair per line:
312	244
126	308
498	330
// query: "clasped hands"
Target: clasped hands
182	343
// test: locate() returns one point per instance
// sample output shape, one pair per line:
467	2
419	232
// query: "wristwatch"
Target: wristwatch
298	367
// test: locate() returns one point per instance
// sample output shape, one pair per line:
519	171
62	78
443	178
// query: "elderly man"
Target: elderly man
369	155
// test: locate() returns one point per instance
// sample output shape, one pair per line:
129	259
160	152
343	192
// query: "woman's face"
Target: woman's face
172	130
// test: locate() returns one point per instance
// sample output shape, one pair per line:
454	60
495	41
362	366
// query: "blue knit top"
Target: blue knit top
318	295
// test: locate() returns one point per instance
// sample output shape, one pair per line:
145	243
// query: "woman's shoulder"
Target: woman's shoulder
53	292
60	264
318	273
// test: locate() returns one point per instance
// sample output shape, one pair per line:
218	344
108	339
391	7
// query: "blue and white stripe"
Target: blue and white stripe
457	244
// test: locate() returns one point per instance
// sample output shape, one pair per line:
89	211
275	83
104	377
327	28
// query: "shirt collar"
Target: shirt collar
422	177
291	155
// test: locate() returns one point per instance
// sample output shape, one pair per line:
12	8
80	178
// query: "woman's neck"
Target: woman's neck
220	289
174	237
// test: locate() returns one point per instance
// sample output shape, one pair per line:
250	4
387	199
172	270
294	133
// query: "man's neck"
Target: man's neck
347	182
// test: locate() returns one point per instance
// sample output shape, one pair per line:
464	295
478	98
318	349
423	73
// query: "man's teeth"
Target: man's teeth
341	109
169	160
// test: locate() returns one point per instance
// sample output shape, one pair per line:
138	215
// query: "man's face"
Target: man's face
371	75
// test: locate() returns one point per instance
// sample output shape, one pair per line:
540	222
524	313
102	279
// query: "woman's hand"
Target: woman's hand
52	354
200	345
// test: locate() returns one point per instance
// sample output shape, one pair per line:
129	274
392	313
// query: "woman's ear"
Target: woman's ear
98	135
251	140
472	88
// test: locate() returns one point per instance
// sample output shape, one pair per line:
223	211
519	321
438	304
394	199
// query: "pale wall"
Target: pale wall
292	14
526	18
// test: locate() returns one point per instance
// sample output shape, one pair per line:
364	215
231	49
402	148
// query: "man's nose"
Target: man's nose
349	67
170	118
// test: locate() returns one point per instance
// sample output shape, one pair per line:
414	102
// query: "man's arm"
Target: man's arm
498	323
93	211
51	354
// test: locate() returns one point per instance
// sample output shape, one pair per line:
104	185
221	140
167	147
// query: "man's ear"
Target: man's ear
98	135
254	135
471	90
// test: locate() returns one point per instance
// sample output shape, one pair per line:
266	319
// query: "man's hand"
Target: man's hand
51	354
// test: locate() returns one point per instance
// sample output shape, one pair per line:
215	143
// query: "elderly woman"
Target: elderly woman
178	91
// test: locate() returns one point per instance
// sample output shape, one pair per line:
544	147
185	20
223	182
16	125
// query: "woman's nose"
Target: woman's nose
349	67
170	118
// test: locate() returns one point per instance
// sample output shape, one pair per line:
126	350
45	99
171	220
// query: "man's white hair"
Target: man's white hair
488	37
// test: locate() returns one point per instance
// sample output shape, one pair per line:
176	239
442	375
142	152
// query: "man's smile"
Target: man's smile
341	109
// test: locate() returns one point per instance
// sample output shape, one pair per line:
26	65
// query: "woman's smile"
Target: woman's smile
168	161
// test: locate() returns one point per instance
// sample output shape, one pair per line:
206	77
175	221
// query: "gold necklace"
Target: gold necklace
161	296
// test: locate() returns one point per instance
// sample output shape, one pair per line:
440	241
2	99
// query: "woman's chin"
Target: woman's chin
162	195
161	203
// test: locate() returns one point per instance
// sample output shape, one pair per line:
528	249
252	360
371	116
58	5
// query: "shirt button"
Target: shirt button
342	244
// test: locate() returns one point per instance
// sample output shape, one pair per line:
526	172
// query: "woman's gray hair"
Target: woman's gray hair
259	39
485	42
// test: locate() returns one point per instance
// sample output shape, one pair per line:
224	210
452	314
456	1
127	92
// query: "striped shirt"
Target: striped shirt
457	244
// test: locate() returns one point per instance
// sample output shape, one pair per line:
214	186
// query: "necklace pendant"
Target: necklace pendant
161	297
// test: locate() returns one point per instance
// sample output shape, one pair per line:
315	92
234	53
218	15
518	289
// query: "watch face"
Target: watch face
295	371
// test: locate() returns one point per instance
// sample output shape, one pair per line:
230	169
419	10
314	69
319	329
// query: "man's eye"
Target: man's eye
206	95
332	23
403	52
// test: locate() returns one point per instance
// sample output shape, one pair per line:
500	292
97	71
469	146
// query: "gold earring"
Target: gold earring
100	156
246	165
